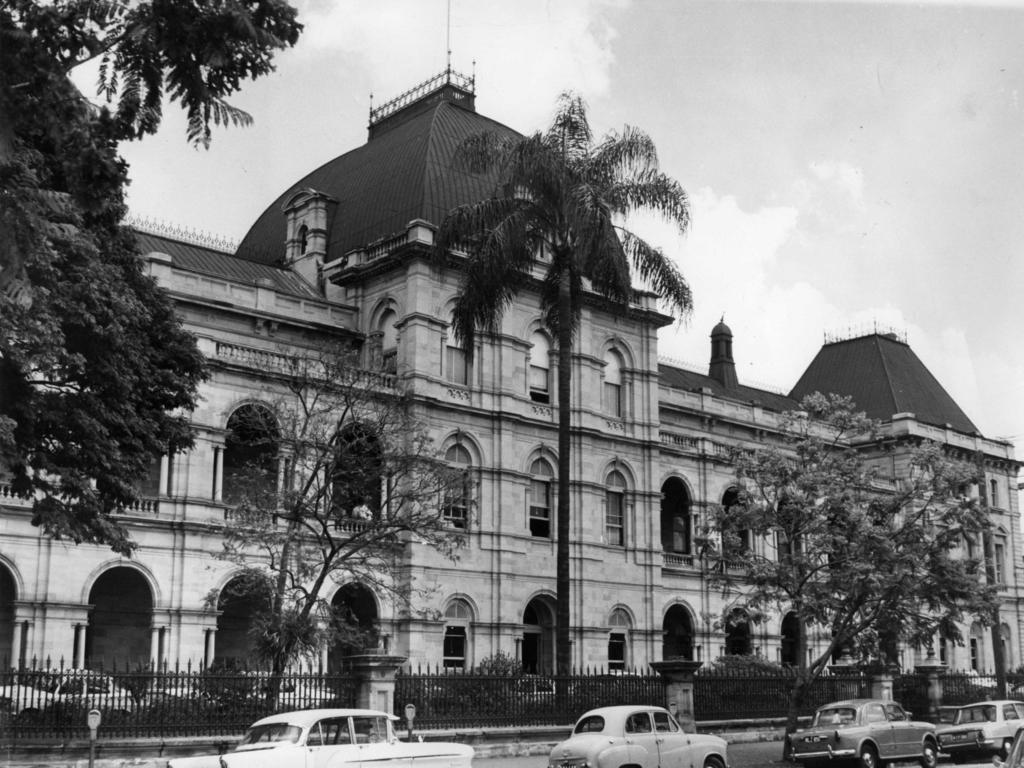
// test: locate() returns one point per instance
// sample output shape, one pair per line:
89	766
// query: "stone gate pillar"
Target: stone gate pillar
933	670
880	677
374	676
677	675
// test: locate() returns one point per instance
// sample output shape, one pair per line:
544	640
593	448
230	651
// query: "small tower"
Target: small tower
307	222
722	368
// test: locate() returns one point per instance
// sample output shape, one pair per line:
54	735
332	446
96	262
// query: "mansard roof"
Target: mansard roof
680	378
215	263
884	377
404	172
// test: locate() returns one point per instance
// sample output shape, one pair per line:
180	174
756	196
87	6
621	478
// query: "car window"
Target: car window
370	730
1010	712
873	713
836	716
332	731
591	724
663	722
1020	710
96	685
272	733
638	722
895	712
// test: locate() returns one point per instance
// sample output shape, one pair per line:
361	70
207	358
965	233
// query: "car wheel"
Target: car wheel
1004	751
713	761
869	757
929	755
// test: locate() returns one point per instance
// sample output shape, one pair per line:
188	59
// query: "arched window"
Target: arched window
540	368
737	634
790	640
613	391
740	543
675	517
538	637
459	501
539	499
251	456
354	618
618	639
303	239
357	475
615	509
388	335
458	616
677	634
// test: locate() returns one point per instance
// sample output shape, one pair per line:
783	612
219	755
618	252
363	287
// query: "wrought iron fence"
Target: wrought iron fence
448	698
728	694
44	701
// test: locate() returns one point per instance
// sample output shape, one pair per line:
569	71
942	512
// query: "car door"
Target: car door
674	749
879	729
641	740
326	739
906	739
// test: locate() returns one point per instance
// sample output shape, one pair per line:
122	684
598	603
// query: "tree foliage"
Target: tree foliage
96	373
361	481
870	559
562	196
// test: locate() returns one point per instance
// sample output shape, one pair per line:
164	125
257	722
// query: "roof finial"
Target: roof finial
448	39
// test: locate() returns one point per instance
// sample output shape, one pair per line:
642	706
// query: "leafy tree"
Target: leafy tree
96	373
873	562
360	481
559	193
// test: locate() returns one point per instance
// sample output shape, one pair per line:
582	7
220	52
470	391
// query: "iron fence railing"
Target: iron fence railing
50	702
447	698
730	694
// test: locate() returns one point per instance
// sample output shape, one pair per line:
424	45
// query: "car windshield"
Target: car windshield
835	716
590	724
271	733
982	713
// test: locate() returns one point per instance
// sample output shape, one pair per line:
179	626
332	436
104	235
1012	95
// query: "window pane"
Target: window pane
458	372
455	647
613	522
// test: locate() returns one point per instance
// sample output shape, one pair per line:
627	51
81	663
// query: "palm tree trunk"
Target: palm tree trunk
563	648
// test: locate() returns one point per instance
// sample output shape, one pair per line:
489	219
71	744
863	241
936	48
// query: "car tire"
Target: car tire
868	757
929	755
713	761
1004	751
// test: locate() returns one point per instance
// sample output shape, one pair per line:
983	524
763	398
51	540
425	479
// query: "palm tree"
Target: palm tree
560	194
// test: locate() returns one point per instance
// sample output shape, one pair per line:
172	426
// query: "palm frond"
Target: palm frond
651	191
624	156
569	135
659	271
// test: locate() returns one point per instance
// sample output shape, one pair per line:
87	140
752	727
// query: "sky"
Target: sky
850	166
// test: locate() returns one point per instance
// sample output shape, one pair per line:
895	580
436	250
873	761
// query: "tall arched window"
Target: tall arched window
618	639
613	390
790	640
539	499
459	501
737	634
357	475
538	637
675	517
388	341
251	456
615	509
741	543
303	239
458	616
677	629
540	368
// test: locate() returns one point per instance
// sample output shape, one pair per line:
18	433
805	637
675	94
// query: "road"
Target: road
760	754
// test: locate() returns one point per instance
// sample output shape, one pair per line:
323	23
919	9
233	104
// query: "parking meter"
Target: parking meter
93	721
410	715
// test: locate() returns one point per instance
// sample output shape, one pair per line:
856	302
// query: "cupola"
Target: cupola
722	368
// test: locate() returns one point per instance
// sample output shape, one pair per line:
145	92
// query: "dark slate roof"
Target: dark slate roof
214	263
402	173
679	378
884	377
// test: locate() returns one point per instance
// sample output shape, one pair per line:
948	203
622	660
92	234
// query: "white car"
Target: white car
642	736
331	738
31	694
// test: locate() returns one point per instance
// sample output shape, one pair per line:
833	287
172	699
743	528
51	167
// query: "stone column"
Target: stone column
80	630
375	680
677	675
880	678
933	670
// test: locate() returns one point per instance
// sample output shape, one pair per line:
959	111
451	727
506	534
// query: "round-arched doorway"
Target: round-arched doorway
121	620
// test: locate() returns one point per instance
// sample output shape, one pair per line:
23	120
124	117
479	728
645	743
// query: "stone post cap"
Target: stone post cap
676	667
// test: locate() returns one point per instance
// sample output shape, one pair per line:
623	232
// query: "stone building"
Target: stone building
345	252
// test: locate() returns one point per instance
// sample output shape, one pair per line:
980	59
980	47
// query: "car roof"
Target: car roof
622	710
306	717
994	702
856	703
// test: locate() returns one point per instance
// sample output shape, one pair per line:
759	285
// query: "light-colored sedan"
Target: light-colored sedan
864	732
331	738
646	737
981	730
